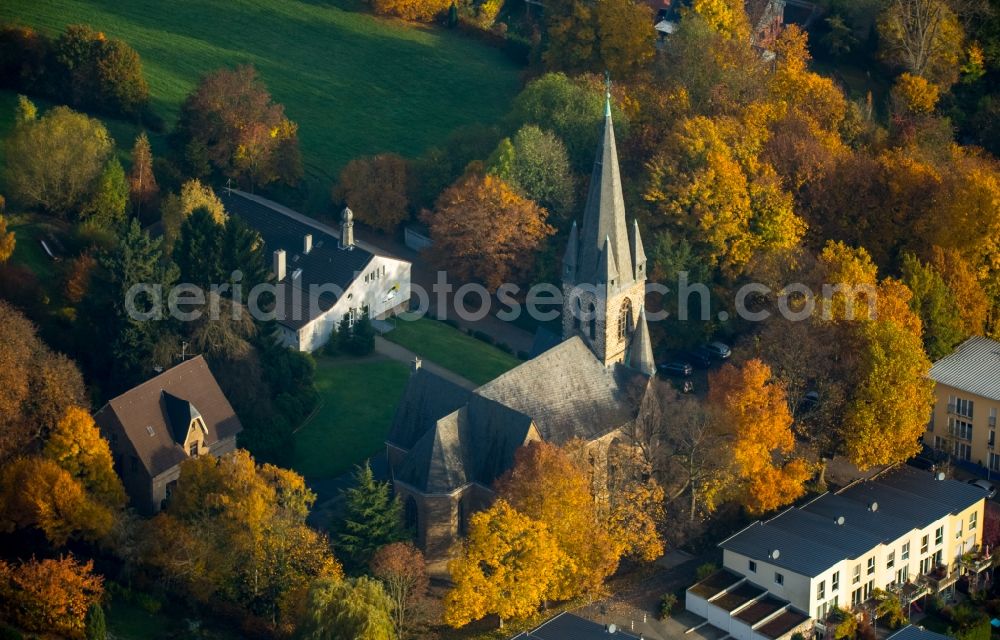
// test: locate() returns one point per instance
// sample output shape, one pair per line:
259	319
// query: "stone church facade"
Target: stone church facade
448	445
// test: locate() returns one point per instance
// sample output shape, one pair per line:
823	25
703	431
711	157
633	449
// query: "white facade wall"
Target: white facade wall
803	592
387	288
696	604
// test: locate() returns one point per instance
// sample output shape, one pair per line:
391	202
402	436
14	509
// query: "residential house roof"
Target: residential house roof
913	632
568	626
810	539
152	413
326	263
973	367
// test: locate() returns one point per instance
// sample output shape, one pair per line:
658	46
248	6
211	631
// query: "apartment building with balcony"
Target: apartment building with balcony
907	531
967	400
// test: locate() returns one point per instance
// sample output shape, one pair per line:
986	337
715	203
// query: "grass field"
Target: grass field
358	399
356	84
444	345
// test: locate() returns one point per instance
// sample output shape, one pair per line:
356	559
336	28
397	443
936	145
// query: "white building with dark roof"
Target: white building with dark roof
966	402
907	531
322	274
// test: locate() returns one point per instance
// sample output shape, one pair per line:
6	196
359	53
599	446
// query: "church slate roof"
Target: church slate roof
426	399
455	436
568	393
475	443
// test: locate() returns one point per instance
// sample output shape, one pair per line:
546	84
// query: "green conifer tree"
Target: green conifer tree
373	519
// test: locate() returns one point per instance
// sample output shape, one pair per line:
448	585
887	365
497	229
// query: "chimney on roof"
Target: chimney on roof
279	265
416	364
307	244
296	275
347	229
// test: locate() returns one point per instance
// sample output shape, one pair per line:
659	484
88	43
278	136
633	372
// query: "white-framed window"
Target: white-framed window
960	429
890	560
779	578
924	545
958	530
821	590
752	566
871	565
962	451
835	582
939	536
964	407
994	461
856	577
905	552
973	520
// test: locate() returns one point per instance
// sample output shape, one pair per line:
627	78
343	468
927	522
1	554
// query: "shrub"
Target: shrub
96	628
667	604
148	603
482	336
8	632
706	570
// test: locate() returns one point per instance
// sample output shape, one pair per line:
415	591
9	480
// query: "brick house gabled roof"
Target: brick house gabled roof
148	414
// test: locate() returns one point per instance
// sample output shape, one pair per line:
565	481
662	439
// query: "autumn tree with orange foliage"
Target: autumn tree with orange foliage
375	190
401	568
78	277
544	484
141	180
49	596
755	412
508	566
484	231
235	531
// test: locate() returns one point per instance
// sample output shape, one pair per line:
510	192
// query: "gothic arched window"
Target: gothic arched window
625	319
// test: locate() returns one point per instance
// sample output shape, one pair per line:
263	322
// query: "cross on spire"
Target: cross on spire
607	94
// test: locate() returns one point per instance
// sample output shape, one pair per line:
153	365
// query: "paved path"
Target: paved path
402	354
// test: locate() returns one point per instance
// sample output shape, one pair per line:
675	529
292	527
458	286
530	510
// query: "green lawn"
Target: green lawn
128	621
28	250
452	349
356	84
358	399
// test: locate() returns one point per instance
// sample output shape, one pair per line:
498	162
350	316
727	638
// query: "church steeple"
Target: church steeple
640	355
604	214
604	267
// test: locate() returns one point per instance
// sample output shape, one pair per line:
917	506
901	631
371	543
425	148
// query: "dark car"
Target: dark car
920	462
718	350
988	487
699	357
676	368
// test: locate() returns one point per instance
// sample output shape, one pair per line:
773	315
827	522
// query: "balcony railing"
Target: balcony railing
977	560
940	578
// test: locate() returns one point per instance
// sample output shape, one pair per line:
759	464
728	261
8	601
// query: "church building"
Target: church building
447	444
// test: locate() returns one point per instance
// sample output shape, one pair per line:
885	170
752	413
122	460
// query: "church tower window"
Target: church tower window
625	319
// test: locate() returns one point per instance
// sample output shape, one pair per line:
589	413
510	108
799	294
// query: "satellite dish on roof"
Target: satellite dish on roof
840	520
775	554
612	628
940	475
873	506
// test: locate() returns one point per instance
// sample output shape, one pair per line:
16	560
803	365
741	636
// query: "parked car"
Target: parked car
700	357
986	486
676	368
920	462
718	350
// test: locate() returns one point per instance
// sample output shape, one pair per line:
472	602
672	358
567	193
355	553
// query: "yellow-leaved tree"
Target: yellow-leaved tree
236	531
544	484
754	409
507	567
76	445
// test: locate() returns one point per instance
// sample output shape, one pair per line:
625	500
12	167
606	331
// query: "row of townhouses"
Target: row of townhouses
907	531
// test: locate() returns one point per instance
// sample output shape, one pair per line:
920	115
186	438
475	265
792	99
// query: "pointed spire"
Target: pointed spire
640	356
604	213
608	271
569	258
638	253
